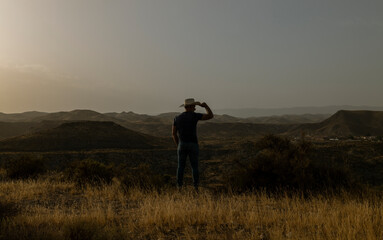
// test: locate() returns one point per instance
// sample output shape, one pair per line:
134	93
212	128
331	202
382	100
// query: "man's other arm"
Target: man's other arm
209	114
175	135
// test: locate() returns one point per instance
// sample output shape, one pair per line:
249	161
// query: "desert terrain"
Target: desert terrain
87	175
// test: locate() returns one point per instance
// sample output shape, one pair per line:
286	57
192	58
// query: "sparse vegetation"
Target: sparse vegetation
142	177
59	210
7	209
88	171
93	172
276	163
98	201
27	166
298	196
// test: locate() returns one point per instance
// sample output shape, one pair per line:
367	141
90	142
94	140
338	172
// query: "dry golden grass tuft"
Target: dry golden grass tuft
46	209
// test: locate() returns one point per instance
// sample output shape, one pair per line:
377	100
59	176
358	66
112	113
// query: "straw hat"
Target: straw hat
189	101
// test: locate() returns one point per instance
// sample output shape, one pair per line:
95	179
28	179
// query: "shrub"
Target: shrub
81	229
7	209
3	174
88	171
27	166
22	230
277	163
143	177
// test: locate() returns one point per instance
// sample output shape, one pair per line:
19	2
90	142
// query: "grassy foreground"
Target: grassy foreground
46	209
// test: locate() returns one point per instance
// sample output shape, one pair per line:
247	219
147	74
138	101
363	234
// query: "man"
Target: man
185	137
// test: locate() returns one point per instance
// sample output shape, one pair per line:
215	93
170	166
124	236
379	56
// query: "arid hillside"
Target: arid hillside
80	136
345	124
341	124
11	129
75	115
21	117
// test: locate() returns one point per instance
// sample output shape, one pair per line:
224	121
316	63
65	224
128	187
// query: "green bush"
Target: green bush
276	163
27	166
88	171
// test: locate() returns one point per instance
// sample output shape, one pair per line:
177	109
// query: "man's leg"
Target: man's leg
193	155
182	154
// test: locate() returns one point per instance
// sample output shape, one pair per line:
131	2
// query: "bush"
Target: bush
22	230
143	177
82	229
277	163
27	166
89	171
7	209
93	172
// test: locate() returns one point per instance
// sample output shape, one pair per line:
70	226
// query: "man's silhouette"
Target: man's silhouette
185	137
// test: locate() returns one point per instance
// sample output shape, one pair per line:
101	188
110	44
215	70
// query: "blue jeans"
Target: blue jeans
192	150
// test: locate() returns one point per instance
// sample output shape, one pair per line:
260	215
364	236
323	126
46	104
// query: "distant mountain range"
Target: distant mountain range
20	117
89	115
86	129
262	112
24	123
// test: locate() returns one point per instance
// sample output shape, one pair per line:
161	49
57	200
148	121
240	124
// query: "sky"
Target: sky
147	56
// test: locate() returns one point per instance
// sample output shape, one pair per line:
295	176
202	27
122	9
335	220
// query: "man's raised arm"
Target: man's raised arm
209	114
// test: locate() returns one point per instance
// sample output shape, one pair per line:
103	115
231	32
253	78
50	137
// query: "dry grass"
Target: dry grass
45	209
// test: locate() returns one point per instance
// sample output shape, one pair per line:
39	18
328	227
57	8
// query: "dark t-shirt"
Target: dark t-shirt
186	124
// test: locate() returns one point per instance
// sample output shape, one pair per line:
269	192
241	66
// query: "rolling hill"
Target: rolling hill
289	119
344	124
141	118
239	130
83	135
21	117
75	115
264	112
11	129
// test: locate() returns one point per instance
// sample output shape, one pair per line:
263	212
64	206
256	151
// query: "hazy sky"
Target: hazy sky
147	56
